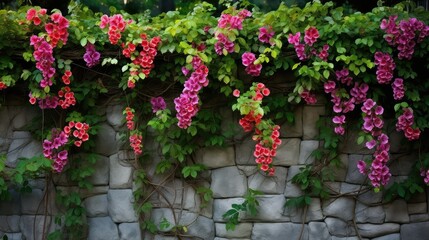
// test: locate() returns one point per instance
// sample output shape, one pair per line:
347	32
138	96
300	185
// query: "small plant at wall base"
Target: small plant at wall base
172	72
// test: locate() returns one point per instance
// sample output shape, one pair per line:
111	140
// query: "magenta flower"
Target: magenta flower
265	34
91	56
311	36
158	103
248	58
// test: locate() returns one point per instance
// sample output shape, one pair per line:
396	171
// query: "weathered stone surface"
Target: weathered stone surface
349	145
342	207
366	214
288	152
396	211
416	208
244	152
306	149
32	226
129	231
377	230
333	187
353	174
402	164
11	206
242	230
105	140
120	205
269	184
171	193
97	190
115	116
31	203
340	228
350	189
310	116
347	238
121	172
291	189
96	206
159	214
198	226
340	172
270	208
102	228
293	130
22	146
415	231
220	206
314	212
228	182
23	117
318	231
419	217
370	197
215	157
9	223
394	236
13	236
263	231
101	174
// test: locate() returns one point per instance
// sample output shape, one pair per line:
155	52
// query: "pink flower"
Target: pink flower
339	119
311	36
294	39
329	86
158	103
339	130
248	58
361	165
265	34
371	144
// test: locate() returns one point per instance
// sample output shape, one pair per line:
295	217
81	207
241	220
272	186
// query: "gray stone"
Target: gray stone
402	164
349	144
228	182
310	116
198	226
129	231
23	117
102	228
419	217
416	208
244	152
292	189
9	223
249	170
370	197
333	187
32	203
242	230
171	193
350	189
415	231
340	172
164	214
265	231
115	116
288	152
347	238
294	129
270	208
101	173
22	146
121	173
220	206
353	174
105	140
396	211
120	205
342	207
96	206
377	230
215	157
340	228
13	236
314	212
32	227
269	184
394	236
366	214
306	149
97	190
318	231
11	206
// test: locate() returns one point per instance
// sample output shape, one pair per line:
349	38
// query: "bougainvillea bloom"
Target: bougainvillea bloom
311	36
265	34
91	56
158	103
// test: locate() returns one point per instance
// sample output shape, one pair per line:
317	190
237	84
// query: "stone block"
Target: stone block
13	236
318	231
340	228
96	206
32	203
115	116
244	152
102	228
401	165
9	223
163	214
22	146
370	197
353	174
129	231
11	206
242	230
394	236
198	226
342	208
228	182
377	230
269	184
350	189
314	212
419	217
270	209
294	129
32	226
24	115
340	172
105	140
417	208
415	231
220	206
120	205
366	214
306	149
101	173
215	157
262	231
349	144
97	190
310	116
292	189
397	211
121	173
288	152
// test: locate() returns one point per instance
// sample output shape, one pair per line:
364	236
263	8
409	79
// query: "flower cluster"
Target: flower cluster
66	77
57	29
49	102
129	116
91	56
116	24
158	103
68	95
52	149
404	34
266	150
398	89
187	103
223	44
305	50
79	130
309	98
425	175
265	34
43	54
2	85
136	143
143	59
405	123
248	59
35	16
311	36
385	67
359	91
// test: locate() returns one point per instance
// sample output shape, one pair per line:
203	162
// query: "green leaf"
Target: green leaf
83	42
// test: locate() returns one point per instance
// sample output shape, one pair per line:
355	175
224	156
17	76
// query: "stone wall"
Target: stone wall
350	214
